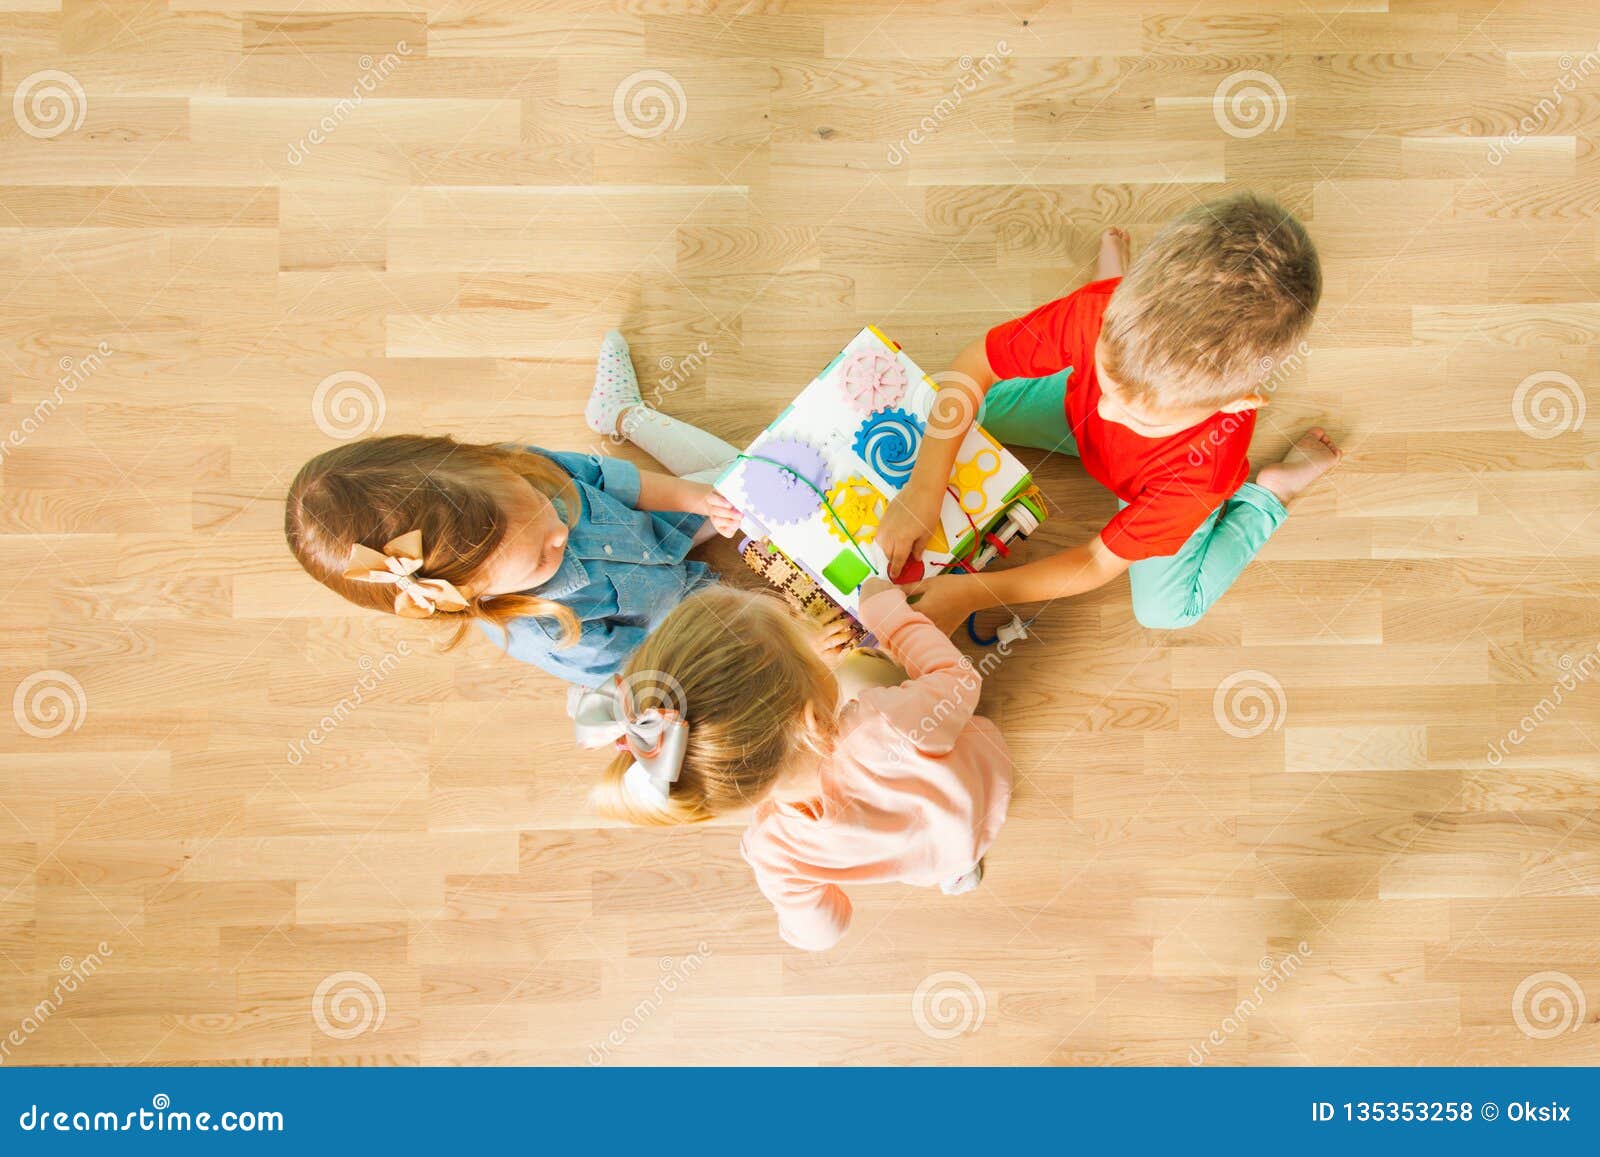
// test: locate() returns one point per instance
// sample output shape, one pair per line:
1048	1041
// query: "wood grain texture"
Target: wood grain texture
265	799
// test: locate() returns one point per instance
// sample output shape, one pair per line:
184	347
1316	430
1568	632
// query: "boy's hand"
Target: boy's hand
725	519
909	521
948	599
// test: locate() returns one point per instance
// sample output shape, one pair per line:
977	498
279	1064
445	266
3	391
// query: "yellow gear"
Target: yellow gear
859	507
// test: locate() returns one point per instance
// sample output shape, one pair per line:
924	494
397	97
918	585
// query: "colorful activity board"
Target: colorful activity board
814	485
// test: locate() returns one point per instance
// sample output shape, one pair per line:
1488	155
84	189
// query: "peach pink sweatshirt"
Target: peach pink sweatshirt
915	792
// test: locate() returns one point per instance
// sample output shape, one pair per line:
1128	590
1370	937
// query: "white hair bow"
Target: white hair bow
657	737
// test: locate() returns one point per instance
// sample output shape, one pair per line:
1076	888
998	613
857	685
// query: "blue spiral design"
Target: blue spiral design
887	442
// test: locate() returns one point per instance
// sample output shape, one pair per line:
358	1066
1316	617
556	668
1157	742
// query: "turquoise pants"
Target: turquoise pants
1171	591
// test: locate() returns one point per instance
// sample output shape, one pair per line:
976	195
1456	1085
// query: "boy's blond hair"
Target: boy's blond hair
1211	305
741	671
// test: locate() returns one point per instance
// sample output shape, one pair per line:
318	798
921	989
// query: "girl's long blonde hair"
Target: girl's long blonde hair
377	489
742	672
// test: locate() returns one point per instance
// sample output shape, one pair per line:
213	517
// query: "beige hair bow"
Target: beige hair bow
398	565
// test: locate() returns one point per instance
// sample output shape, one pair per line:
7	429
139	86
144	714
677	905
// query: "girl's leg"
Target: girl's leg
1174	591
616	408
1030	412
685	450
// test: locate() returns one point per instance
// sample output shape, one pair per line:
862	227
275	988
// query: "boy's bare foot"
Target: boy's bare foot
1312	455
1114	251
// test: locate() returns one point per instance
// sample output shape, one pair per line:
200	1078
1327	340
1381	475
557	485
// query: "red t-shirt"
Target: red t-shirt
1171	484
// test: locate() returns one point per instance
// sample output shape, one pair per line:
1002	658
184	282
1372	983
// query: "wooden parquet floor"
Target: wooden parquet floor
233	235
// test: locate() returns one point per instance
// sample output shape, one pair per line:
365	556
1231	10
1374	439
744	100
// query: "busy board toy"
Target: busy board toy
814	485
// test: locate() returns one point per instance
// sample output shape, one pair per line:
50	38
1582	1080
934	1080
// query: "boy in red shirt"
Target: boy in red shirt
1152	380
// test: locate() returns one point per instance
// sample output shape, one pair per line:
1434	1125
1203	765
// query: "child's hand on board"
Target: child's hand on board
947	599
873	586
907	524
833	636
725	519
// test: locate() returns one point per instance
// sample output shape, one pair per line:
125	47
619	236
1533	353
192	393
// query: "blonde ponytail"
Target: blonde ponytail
610	798
744	671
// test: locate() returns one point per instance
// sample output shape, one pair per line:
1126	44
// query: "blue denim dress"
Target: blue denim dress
623	570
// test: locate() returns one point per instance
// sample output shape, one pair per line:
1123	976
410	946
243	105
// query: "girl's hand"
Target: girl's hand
873	586
833	637
724	518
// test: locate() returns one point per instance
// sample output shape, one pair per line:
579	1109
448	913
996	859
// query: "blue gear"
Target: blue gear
887	441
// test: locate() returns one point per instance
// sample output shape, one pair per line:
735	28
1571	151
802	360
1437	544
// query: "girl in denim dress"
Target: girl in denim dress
567	560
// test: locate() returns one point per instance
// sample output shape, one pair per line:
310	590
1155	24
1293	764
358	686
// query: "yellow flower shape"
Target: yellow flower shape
859	507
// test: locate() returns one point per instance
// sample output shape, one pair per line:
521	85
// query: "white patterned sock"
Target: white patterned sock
965	882
615	386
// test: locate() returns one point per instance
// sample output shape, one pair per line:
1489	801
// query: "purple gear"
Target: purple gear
777	494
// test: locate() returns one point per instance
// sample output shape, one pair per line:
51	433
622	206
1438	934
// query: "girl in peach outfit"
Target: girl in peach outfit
727	704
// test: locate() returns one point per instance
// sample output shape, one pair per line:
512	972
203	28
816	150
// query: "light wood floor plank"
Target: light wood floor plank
236	820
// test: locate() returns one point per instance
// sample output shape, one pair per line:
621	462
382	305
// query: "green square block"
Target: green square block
847	571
